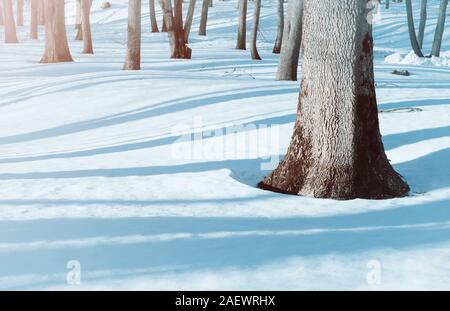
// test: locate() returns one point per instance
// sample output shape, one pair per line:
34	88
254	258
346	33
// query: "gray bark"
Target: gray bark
254	34
86	26
133	58
292	38
336	149
437	42
34	19
203	18
242	25
280	26
10	25
153	21
423	22
412	30
188	22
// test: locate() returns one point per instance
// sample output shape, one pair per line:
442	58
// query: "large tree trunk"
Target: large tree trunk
19	12
188	22
153	21
56	45
280	26
203	18
436	51
174	25
34	21
292	38
336	149
133	58
78	21
254	35
423	22
242	25
10	25
86	26
412	30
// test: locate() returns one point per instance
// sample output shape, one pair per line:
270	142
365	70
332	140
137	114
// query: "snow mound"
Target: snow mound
412	59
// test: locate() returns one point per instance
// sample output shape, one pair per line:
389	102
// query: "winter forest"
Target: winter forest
224	144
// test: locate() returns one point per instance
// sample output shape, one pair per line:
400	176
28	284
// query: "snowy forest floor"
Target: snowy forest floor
89	170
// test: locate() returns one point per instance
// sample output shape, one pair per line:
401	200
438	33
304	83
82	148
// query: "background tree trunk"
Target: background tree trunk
242	26
86	26
164	24
280	26
412	29
56	46
174	25
133	58
34	19
78	22
2	22
292	38
203	18
19	12
210	3
387	4
188	22
437	42
336	149
153	20
254	35
423	22
42	12
10	25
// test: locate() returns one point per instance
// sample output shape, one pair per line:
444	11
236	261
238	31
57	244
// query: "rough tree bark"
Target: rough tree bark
78	21
153	21
412	30
175	31
280	26
188	22
423	21
19	12
242	26
292	38
203	18
86	26
133	58
56	45
34	19
437	42
10	24
336	149
254	34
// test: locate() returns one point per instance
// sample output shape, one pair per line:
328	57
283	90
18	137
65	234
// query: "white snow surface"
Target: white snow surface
90	167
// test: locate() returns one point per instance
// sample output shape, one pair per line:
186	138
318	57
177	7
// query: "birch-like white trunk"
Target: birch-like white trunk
336	149
242	25
10	24
254	34
86	26
133	58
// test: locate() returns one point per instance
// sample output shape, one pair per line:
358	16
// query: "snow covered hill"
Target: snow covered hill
97	165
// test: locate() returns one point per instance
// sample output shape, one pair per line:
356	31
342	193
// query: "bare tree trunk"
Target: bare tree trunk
174	25
86	26
10	25
34	19
203	18
56	45
133	58
164	27
2	22
254	35
436	51
412	30
78	21
336	149
292	38
423	21
19	12
188	22
280	26
387	4
210	3
242	26
42	12
153	20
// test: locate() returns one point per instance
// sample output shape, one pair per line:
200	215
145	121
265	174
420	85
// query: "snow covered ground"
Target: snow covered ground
95	167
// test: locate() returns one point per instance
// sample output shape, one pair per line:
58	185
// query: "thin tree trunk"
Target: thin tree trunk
153	20
164	23
203	18
188	22
423	21
133	58
10	25
56	45
280	26
42	12
210	3
412	30
78	21
387	4
436	51
242	26
336	149
292	38
254	35
34	19
19	12
86	26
